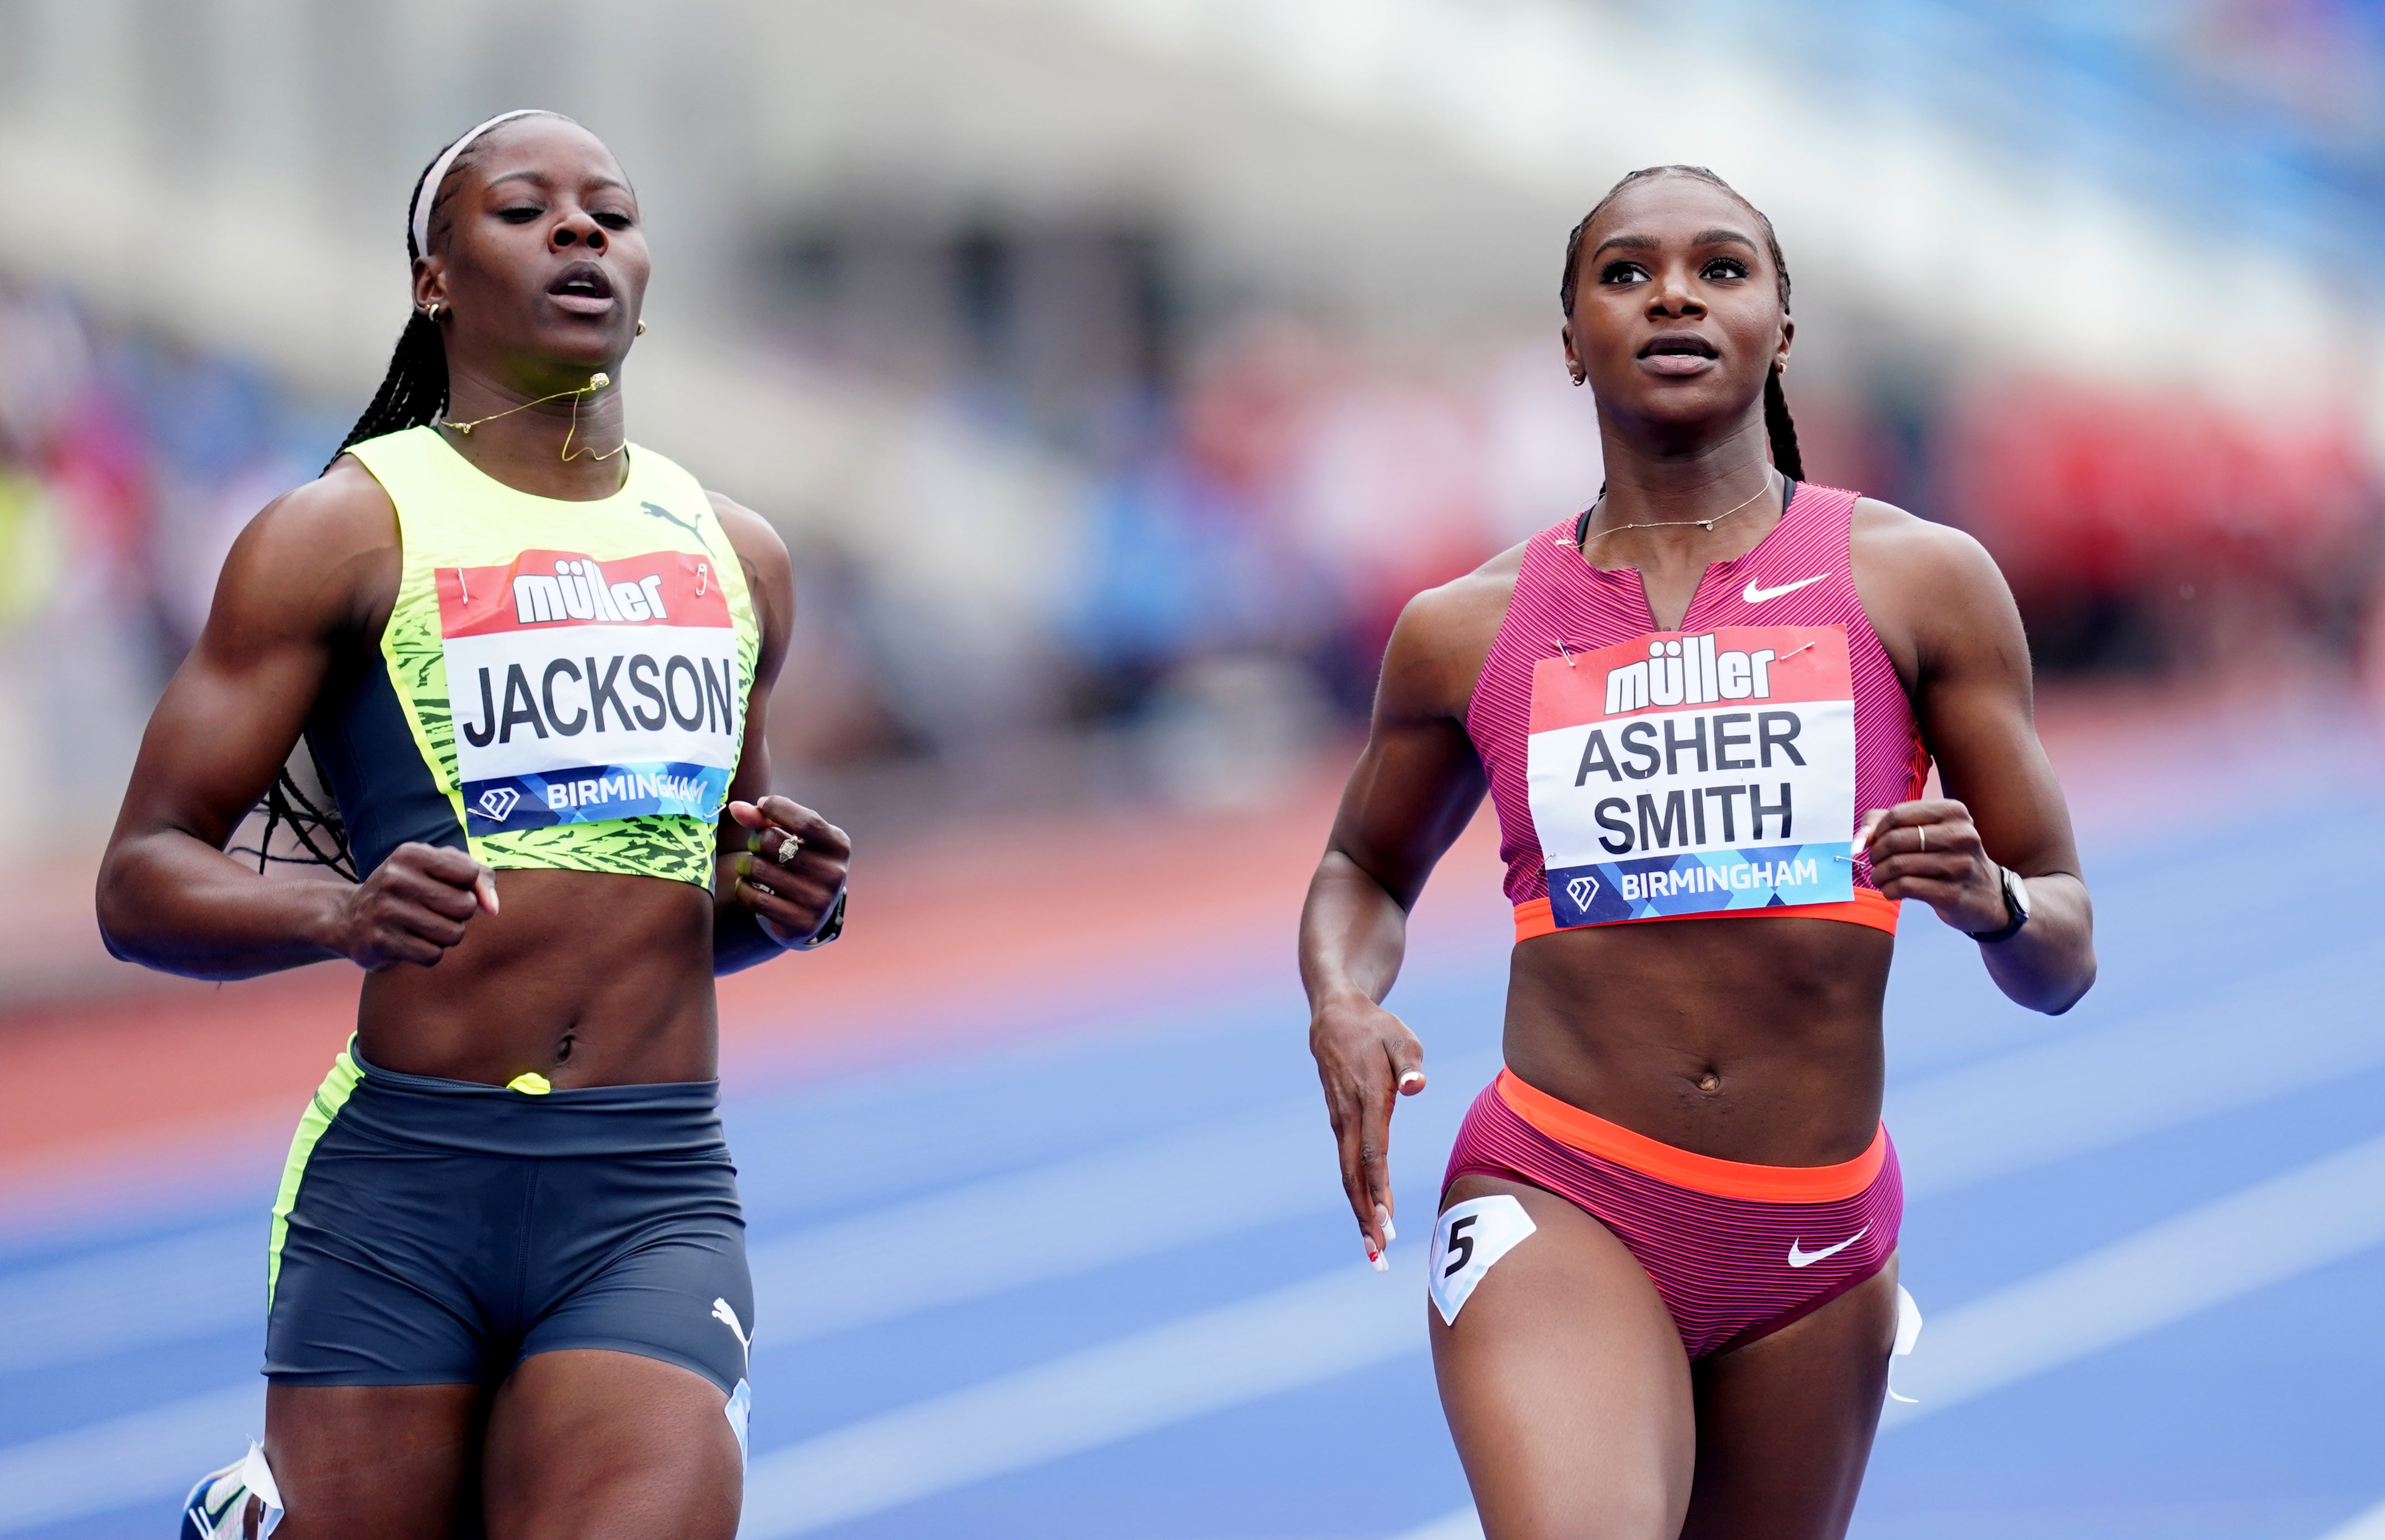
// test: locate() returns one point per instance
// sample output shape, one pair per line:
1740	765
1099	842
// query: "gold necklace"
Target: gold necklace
1672	523
596	382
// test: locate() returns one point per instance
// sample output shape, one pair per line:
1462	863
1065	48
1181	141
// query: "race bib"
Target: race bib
1467	1239
1683	775
585	690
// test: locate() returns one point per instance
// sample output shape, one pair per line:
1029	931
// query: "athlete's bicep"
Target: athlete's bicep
770	587
233	711
1977	718
1418	780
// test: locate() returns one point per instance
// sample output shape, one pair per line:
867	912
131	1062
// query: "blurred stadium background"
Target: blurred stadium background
1114	370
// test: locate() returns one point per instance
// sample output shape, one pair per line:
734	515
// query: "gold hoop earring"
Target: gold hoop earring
641	328
431	312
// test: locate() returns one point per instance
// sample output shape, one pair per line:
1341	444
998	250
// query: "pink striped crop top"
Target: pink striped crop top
1711	771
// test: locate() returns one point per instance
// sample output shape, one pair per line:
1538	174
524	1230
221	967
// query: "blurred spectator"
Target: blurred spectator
2151	532
1219	589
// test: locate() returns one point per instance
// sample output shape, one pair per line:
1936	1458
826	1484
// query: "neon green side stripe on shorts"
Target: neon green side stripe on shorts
330	1098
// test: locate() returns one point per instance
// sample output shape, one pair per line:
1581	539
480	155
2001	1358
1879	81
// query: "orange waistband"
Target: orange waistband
1869	907
1593	1135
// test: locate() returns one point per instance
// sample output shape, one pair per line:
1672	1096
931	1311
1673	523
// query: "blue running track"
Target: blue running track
1097	1284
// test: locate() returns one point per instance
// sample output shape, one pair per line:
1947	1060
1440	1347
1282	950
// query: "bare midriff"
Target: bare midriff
586	978
1756	1041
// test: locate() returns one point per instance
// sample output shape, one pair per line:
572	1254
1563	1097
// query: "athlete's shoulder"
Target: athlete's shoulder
1442	636
345	499
753	535
1460	607
321	556
1932	591
342	515
1912	551
770	571
759	546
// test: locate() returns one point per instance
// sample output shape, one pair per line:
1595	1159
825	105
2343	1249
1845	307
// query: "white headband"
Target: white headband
428	192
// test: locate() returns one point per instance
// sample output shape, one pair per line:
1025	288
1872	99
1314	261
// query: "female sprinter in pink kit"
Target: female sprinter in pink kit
1664	1275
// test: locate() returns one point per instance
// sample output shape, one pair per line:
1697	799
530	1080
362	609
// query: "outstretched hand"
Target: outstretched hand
794	868
1367	1059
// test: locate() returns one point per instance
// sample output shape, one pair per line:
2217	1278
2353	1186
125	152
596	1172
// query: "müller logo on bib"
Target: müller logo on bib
1686	774
584	690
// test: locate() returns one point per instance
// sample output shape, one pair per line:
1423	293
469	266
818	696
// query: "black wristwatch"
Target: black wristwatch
2016	907
830	929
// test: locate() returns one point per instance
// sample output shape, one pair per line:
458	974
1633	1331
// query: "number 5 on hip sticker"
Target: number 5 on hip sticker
1471	1236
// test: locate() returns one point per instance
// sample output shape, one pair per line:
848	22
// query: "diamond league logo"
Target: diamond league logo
500	801
1581	890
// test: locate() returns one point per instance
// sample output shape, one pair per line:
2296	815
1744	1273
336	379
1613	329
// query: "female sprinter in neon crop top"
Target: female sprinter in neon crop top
508	1280
1664	1274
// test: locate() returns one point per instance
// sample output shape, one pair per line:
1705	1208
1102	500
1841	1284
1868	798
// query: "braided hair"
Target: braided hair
413	393
1777	426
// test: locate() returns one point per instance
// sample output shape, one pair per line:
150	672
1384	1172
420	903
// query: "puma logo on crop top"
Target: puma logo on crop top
1710	771
564	683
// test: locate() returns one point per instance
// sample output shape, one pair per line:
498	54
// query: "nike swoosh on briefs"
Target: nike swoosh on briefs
1756	596
1799	1258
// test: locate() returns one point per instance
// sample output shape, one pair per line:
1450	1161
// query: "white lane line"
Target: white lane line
2331	1209
1461	1525
2098	1089
1073	1216
2327	1210
134	1296
151	1455
1963	1126
2011	1114
1291	1337
2366	1526
953	1246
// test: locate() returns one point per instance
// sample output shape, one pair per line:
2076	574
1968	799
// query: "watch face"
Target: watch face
2016	895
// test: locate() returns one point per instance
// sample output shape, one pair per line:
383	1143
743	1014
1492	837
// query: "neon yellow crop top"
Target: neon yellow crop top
572	676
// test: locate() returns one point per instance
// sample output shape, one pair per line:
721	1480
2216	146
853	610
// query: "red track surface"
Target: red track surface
122	1092
158	1078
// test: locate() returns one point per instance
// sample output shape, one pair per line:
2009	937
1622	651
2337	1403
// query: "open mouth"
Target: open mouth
1679	353
584	289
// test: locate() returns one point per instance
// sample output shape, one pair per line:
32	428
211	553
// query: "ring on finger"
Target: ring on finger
787	848
1923	831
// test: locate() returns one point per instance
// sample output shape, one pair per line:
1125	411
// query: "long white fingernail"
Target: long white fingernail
1384	1218
1381	1262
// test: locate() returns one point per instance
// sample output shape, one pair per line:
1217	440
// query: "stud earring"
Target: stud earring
431	312
641	328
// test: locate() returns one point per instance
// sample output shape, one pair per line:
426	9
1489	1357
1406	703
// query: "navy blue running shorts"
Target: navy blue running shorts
439	1232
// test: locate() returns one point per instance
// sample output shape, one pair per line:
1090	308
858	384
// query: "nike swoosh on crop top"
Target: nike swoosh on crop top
563	684
1711	771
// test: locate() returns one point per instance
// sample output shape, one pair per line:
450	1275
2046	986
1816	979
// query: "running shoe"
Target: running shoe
217	1506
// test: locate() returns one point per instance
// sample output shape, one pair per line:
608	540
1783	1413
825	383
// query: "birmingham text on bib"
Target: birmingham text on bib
585	690
1686	774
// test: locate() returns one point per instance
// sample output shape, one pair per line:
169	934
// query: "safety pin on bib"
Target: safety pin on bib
704	572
